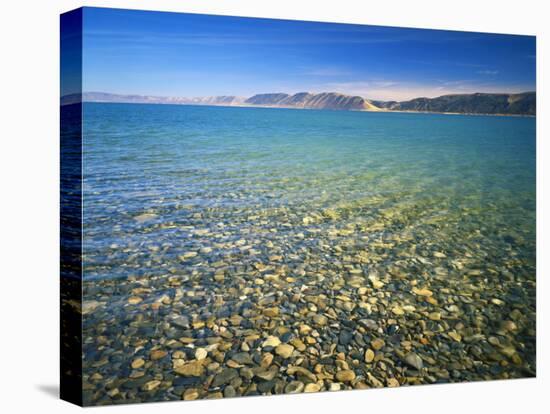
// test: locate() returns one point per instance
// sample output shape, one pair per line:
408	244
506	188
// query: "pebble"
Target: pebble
229	392
201	354
181	322
271	312
375	382
271	341
334	386
267	374
392	382
422	292
89	306
320	320
242	358
266	386
414	361
142	218
493	341
151	385
434	316
377	344
138	363
294	387
134	300
300	371
187	255
456	336
191	369
284	350
509	326
190	394
369	356
266	360
397	310
346	375
298	344
377	284
345	337
225	377
158	354
312	387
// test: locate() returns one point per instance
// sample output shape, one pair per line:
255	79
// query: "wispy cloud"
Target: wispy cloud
145	40
327	71
276	37
458	83
457	63
488	72
387	90
159	54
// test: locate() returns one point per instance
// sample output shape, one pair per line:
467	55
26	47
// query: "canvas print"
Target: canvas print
263	207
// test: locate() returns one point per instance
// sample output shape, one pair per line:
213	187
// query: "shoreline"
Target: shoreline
303	108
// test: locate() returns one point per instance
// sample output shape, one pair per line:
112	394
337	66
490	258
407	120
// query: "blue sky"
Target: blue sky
174	54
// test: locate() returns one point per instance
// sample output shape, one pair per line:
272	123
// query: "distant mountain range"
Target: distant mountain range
476	103
117	98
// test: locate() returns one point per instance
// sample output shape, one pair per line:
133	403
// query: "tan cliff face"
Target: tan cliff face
325	100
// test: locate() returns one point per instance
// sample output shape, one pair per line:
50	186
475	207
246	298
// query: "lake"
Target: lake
334	230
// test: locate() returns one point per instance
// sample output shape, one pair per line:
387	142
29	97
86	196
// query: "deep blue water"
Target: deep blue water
161	180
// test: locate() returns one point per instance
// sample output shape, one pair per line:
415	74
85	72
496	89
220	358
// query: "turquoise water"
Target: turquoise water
385	249
201	166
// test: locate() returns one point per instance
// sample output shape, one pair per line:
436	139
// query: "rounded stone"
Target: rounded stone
151	385
158	354
190	394
138	363
369	356
229	392
320	320
312	387
284	350
294	387
334	387
414	361
377	344
200	354
392	382
346	375
398	310
271	341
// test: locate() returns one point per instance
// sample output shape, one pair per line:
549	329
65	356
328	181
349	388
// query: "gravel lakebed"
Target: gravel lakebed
284	301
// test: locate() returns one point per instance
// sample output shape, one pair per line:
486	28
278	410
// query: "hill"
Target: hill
325	100
476	103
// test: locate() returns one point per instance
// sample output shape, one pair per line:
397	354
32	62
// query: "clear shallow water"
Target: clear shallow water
223	226
202	166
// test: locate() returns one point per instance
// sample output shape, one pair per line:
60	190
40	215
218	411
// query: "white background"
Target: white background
29	164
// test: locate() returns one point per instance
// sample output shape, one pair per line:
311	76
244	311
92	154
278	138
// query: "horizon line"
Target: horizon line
292	94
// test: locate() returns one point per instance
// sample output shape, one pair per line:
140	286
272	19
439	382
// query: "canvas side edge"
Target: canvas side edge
71	306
